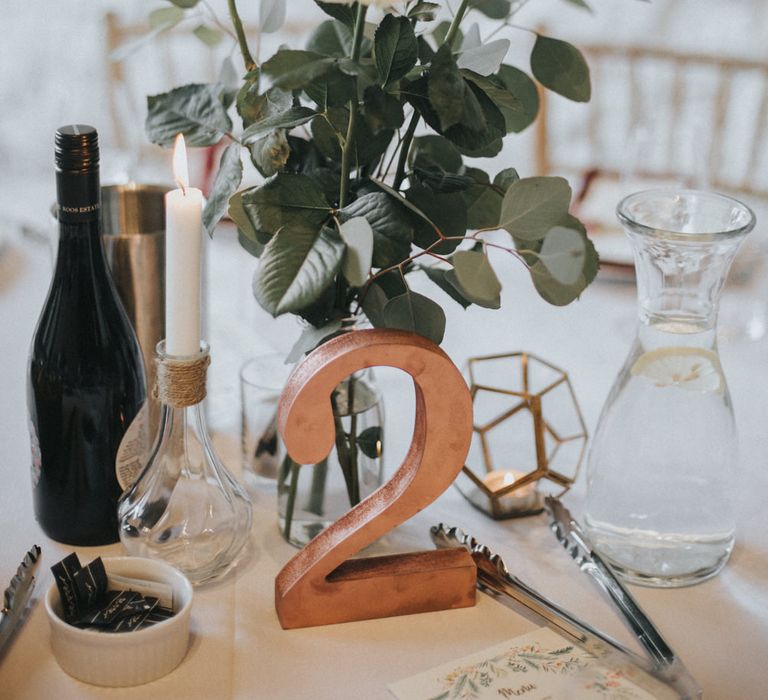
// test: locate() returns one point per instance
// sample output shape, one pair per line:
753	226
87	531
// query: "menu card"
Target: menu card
540	665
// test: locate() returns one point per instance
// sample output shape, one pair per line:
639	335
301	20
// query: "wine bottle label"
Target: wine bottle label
134	447
37	460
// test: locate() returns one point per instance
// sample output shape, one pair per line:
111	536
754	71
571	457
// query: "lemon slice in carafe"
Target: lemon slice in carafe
693	369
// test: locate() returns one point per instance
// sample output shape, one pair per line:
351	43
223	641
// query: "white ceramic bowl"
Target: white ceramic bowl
129	658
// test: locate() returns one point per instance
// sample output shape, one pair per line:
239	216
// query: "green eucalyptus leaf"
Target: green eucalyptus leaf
250	102
391	224
271	15
394	48
246	226
478	139
474	278
505	178
484	59
495	9
378	293
165	17
357	234
345	13
381	110
446	212
194	110
563	253
434	151
228	76
370	442
526	95
286	200
270	153
186	4
438	276
310	338
424	11
297	265
226	182
560	67
449	96
483	201
580	3
208	35
290	118
293	69
416	313
533	205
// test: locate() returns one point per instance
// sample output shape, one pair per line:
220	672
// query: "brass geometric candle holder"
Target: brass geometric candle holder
528	430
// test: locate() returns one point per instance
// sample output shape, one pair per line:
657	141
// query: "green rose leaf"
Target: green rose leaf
270	153
441	31
256	240
293	70
394	48
416	313
333	89
533	205
345	13
370	442
474	278
438	276
193	110
333	38
560	67
495	9
424	11
391	224
484	59
271	15
563	253
381	110
227	181
358	236
208	35
286	200
367	147
290	118
296	267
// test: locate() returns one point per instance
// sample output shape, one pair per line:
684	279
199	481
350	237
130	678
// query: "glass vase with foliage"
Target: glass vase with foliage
363	137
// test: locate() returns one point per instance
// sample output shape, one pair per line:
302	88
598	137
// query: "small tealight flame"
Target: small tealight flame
180	167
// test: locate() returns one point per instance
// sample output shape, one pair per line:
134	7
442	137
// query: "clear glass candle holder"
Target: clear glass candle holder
185	507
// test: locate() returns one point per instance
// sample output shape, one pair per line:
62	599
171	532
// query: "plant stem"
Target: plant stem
315	502
354	496
346	148
342	449
406	146
237	23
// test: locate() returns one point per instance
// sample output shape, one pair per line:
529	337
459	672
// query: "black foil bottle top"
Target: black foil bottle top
77	148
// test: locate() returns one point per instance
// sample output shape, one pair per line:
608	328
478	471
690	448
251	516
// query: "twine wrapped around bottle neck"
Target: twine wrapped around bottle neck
181	381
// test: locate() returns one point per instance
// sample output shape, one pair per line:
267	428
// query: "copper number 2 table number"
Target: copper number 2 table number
322	585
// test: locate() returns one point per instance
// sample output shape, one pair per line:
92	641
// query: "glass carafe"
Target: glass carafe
661	470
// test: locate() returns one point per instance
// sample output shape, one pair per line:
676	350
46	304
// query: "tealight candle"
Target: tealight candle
519	500
183	245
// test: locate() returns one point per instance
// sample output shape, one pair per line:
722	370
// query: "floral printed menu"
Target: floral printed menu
540	665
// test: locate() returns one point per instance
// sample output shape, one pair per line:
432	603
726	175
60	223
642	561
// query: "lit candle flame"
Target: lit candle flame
180	167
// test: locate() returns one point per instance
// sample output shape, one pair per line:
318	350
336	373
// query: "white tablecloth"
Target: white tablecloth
238	650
